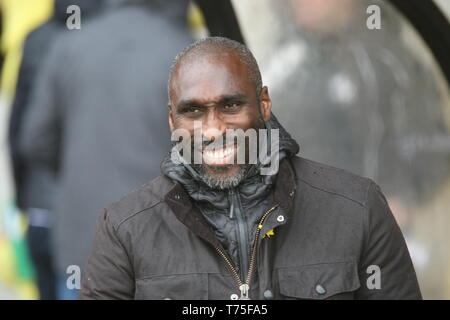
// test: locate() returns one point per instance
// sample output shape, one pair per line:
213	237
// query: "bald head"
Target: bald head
208	49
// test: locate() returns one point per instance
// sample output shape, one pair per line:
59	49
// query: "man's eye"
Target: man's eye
232	106
191	110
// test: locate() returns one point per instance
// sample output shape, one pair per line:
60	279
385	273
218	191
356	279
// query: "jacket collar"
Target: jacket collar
283	198
182	207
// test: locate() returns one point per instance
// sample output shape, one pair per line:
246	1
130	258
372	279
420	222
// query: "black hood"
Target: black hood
88	8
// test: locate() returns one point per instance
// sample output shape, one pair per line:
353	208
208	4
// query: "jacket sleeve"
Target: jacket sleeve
109	273
19	106
385	251
38	141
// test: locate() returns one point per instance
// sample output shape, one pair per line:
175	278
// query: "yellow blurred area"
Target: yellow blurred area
9	263
196	21
23	288
195	16
19	18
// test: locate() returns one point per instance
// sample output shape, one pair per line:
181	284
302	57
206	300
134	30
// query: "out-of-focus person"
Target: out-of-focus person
95	116
363	100
35	184
358	87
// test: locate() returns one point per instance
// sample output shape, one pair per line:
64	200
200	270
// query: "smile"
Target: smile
219	157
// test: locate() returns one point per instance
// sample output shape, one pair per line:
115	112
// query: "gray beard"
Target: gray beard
233	181
221	184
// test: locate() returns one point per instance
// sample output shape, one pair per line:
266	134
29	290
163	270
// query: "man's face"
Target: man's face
216	89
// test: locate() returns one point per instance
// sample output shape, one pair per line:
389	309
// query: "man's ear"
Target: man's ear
170	113
266	104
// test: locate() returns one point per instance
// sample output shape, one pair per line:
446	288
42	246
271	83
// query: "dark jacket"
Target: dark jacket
330	228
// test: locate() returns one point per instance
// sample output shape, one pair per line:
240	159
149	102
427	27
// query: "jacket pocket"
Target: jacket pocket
336	280
173	287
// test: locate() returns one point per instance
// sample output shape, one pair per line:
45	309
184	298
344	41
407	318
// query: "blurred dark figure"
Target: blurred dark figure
98	118
363	100
35	183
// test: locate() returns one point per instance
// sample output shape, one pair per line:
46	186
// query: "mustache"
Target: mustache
217	143
221	141
233	137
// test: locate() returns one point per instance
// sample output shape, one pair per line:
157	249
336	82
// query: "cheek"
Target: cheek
185	125
182	122
248	119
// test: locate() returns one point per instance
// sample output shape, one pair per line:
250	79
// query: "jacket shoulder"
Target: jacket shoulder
332	180
145	197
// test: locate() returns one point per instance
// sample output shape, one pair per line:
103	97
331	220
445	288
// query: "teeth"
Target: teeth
218	154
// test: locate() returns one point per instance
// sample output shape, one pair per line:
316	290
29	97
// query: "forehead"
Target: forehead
209	76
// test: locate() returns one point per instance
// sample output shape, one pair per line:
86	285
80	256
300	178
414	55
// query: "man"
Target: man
223	230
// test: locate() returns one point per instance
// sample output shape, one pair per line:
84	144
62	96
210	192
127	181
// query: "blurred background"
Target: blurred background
83	112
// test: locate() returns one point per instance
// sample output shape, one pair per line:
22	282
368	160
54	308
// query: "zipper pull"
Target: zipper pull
231	215
232	211
244	292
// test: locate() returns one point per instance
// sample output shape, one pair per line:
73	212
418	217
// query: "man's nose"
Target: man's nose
213	126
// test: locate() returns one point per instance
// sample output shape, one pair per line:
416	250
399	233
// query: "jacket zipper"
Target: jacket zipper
242	232
244	288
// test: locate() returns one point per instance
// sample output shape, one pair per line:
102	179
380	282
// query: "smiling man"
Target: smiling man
220	228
